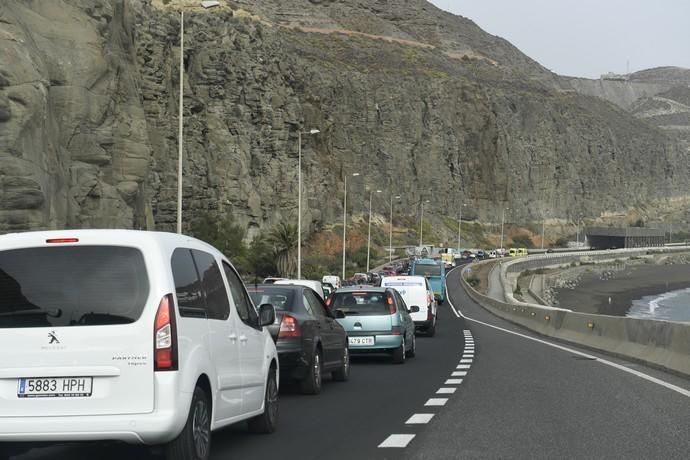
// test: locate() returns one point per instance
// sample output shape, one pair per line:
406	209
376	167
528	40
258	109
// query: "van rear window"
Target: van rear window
72	286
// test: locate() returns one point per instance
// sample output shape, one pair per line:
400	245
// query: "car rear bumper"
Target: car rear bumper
294	362
158	427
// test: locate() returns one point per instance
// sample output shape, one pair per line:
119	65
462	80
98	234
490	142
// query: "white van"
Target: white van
334	280
416	291
141	337
315	285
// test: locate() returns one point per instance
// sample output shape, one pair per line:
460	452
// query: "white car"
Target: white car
315	285
416	291
142	337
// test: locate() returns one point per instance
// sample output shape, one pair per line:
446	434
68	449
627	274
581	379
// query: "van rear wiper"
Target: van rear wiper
54	312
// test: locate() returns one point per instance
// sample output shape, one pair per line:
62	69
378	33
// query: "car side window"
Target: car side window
217	304
401	303
245	308
307	304
190	300
317	304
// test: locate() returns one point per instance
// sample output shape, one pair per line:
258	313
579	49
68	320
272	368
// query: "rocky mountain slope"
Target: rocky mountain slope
422	103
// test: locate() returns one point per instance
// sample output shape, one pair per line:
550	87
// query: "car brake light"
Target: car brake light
395	330
62	240
289	327
328	302
165	336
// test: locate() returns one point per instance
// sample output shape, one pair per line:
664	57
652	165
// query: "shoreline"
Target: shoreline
592	293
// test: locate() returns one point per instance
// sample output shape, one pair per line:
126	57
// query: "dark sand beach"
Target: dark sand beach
591	295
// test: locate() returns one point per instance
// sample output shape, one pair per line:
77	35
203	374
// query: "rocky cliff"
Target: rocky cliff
420	102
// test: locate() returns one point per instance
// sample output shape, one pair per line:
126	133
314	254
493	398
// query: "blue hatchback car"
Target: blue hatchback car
376	321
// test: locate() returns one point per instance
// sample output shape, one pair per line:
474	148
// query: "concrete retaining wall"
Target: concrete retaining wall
662	344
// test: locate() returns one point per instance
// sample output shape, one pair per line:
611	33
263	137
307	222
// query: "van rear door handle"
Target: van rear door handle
232	337
243	338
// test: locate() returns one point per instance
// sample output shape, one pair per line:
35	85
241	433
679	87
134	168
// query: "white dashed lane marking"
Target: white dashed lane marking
397	440
445	391
436	402
402	440
419	419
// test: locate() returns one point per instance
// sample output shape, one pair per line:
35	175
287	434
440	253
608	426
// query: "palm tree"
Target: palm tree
283	237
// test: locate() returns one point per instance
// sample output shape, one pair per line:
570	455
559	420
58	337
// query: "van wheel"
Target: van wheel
311	385
343	374
399	353
431	331
194	442
268	421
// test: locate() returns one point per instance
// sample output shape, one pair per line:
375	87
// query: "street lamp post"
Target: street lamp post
390	232
345	220
421	224
299	199
503	220
369	235
543	227
459	224
180	123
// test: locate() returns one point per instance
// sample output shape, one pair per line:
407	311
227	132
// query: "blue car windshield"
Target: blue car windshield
427	270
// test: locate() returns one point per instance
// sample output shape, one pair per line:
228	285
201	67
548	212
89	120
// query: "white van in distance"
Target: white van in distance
141	337
416	291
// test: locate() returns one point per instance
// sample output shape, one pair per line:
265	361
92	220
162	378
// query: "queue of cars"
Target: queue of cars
152	338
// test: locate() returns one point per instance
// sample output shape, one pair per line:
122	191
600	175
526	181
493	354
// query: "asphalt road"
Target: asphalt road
519	399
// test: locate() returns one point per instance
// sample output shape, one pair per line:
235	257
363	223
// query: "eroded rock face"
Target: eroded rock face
74	144
88	118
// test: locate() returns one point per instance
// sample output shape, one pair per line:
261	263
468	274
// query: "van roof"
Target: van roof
106	237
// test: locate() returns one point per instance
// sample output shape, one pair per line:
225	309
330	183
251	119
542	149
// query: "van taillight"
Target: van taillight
289	327
165	336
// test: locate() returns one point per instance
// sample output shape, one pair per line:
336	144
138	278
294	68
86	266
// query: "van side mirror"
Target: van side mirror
267	315
413	309
339	314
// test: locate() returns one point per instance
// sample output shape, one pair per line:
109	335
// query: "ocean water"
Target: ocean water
671	306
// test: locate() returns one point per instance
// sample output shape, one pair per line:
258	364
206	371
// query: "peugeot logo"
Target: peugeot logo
53	338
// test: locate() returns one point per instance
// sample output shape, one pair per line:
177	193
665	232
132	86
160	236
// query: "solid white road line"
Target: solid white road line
620	367
458	374
419	419
445	391
397	440
436	402
455	312
453	382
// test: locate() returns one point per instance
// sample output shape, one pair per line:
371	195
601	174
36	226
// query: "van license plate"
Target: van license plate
360	341
55	387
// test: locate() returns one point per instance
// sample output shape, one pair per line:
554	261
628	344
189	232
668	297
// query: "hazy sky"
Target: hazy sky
587	38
